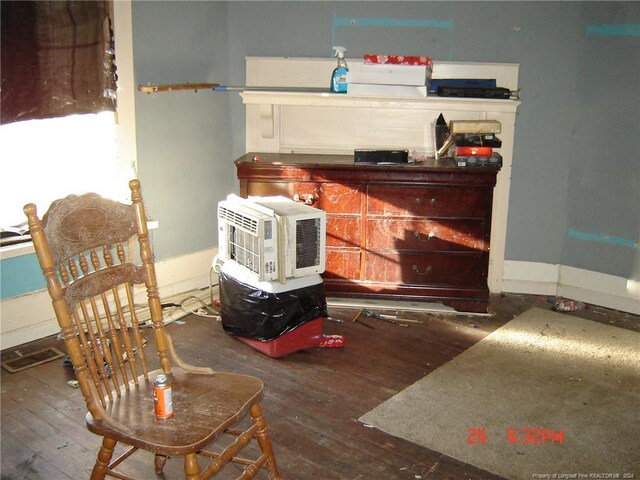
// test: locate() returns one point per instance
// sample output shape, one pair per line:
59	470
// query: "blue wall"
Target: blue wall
576	163
184	139
575	186
20	275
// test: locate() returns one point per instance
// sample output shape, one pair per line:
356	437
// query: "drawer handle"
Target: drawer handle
422	238
304	198
426	270
432	202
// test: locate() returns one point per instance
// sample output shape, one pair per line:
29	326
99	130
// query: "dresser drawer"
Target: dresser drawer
342	264
437	268
424	234
343	231
427	201
330	197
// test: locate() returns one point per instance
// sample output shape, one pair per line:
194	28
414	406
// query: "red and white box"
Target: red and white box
398	60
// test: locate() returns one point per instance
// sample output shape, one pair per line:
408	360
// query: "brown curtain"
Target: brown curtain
57	59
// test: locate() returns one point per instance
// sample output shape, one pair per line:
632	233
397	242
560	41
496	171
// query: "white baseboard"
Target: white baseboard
569	282
30	317
530	277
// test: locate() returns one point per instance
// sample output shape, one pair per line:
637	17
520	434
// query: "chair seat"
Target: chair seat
204	406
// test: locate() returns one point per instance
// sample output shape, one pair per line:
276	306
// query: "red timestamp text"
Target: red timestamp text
521	436
534	436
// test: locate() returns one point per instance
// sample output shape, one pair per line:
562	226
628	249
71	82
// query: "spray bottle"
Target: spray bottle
339	75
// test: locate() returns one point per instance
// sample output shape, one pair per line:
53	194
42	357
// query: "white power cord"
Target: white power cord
193	304
204	311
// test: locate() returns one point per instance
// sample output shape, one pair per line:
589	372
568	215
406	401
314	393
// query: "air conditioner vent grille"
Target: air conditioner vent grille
238	219
308	242
244	248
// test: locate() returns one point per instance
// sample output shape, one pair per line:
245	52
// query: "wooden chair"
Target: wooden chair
83	249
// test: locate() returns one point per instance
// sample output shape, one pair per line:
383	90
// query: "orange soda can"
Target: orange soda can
162	397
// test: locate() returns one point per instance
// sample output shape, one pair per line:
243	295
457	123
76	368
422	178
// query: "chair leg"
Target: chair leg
264	441
191	468
104	457
159	462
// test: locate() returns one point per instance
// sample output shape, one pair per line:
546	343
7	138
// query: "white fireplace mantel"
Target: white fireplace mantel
310	122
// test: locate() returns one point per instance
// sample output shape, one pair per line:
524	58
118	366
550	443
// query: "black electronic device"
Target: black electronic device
474	92
493	161
477	140
380	156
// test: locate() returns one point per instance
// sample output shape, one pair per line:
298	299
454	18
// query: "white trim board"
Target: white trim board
398	306
30	317
586	286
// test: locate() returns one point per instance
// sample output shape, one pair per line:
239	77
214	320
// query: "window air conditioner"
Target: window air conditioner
273	238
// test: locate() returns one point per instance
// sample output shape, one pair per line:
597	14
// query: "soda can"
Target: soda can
162	397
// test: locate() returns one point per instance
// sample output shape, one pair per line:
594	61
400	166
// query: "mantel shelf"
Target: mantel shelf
314	99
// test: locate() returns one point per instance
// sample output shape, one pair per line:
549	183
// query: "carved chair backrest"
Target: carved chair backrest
90	267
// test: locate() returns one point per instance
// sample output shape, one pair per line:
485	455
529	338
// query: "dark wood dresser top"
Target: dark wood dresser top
323	167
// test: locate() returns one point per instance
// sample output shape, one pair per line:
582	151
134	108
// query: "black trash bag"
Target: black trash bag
250	312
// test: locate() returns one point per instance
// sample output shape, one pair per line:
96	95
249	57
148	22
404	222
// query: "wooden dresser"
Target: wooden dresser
411	232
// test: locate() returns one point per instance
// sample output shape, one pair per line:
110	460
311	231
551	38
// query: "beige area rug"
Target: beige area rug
576	381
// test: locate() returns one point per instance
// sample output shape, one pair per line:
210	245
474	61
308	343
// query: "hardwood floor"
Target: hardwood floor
312	401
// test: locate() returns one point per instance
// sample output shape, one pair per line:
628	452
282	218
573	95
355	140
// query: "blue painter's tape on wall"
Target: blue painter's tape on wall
604	238
615	30
341	22
392	22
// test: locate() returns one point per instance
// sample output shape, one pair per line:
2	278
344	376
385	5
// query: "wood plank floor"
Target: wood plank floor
312	402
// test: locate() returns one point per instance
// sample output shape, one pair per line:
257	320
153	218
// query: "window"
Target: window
43	160
57	59
58	132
